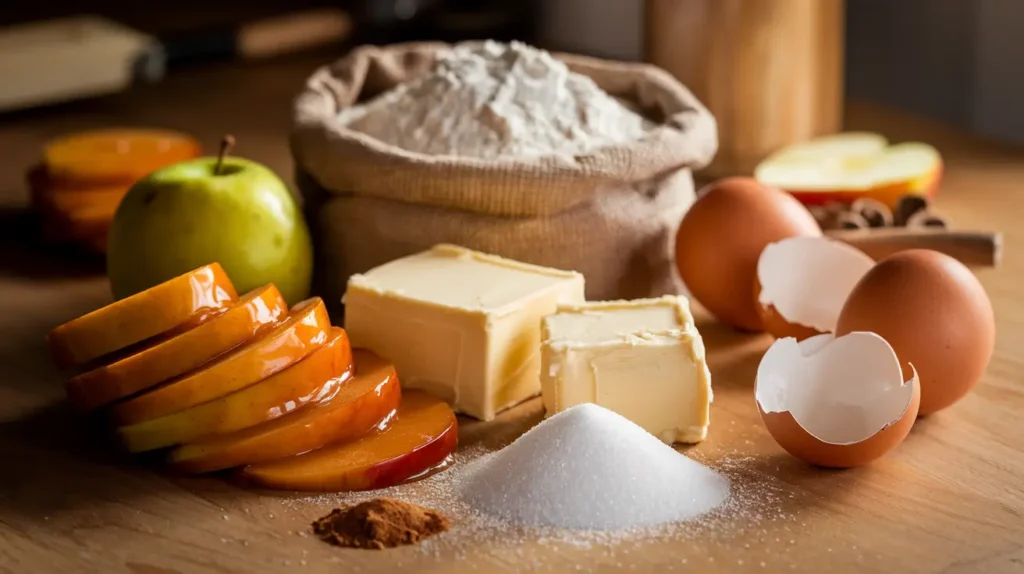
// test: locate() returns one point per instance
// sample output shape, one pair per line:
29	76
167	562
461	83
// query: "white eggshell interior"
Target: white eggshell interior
840	390
808	279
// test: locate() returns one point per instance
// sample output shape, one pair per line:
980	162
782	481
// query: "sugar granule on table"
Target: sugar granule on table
754	500
590	468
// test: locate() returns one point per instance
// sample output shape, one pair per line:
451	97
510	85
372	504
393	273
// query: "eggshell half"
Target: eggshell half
836	402
803	282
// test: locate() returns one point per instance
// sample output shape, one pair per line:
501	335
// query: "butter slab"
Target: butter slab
643	359
460	324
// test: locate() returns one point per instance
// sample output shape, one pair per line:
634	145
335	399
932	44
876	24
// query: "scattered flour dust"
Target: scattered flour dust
491	100
755	499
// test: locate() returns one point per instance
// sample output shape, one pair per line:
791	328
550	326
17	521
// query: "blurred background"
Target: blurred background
953	60
773	72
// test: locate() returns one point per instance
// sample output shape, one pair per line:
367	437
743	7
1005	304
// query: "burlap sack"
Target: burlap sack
610	214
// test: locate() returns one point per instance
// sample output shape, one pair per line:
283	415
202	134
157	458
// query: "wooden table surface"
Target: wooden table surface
950	499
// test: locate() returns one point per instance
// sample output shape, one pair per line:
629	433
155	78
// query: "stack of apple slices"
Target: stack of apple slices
78	186
223	381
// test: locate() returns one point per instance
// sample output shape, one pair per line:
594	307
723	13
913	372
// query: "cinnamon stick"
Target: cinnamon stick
972	248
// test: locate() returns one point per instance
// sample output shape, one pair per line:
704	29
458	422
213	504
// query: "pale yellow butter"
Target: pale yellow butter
643	359
460	324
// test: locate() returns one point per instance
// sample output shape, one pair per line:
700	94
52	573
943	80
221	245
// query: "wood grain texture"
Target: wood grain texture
771	71
950	499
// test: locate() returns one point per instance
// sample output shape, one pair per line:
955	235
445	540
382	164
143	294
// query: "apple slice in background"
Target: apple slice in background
64	201
848	166
359	406
423	433
317	377
304	330
116	155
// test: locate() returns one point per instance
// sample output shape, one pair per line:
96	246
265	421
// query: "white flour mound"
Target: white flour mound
489	100
590	468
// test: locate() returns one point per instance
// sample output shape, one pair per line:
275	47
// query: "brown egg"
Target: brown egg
935	314
836	402
721	238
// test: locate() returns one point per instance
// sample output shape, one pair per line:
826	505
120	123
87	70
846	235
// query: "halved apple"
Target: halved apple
423	433
304	330
135	319
359	406
170	357
849	166
317	377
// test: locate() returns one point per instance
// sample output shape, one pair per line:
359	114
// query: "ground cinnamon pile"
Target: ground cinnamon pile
380	523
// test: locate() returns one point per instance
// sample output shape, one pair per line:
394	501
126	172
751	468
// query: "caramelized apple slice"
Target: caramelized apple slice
304	331
423	433
171	357
116	155
313	379
358	407
70	201
142	316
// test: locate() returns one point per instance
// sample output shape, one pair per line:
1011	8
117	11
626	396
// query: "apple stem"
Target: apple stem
225	146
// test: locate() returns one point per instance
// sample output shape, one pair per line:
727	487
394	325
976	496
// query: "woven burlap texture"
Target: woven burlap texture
610	214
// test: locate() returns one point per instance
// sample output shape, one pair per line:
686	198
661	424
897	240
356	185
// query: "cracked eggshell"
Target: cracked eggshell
721	237
802	283
836	402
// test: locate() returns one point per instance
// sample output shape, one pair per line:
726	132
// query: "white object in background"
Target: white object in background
70	58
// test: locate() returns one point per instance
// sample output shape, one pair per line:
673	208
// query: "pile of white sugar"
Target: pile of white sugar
590	468
491	100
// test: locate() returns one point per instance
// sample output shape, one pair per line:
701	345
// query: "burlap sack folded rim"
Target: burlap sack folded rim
347	161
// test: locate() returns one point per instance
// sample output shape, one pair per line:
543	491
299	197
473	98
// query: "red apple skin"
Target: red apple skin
926	186
400	469
281	438
381	474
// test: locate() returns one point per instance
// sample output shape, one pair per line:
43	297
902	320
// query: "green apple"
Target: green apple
237	213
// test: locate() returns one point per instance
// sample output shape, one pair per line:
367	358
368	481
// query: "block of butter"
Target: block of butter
460	324
643	359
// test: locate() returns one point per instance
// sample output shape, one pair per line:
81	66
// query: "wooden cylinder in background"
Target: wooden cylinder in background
771	71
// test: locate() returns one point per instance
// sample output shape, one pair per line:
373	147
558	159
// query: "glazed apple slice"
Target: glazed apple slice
170	357
423	433
302	332
313	379
359	406
134	319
